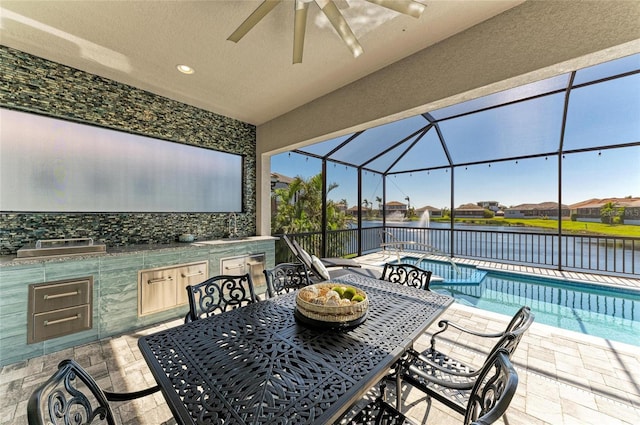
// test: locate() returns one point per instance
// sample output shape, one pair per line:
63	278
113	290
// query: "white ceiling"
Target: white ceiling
140	43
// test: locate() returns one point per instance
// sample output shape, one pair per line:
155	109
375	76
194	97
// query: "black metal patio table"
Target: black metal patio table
258	365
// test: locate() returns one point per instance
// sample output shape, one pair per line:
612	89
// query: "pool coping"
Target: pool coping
569	281
379	258
607	281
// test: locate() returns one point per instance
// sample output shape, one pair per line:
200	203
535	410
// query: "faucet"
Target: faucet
233	216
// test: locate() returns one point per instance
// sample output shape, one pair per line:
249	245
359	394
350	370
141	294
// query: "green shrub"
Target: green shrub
488	213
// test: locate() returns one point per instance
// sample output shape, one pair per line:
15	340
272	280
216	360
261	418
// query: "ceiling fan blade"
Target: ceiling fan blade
255	17
408	7
332	13
299	30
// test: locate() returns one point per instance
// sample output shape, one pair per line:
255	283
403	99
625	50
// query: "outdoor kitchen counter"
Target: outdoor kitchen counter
12	260
115	276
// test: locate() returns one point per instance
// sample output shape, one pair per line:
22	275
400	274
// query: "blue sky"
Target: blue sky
609	173
603	114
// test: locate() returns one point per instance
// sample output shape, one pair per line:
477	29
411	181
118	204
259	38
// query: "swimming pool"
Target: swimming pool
590	309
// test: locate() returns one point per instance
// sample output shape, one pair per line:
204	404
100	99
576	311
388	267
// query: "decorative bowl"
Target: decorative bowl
186	237
318	302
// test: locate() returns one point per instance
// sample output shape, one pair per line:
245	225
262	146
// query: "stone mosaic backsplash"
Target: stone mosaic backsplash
32	84
115	229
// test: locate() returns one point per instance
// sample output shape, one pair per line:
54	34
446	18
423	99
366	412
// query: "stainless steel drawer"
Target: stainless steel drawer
163	288
60	294
234	265
59	308
157	290
60	322
191	274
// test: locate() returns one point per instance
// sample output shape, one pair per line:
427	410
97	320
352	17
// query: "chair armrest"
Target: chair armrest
111	396
469	331
444	324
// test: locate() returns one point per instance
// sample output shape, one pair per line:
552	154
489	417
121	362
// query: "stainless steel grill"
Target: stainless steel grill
61	247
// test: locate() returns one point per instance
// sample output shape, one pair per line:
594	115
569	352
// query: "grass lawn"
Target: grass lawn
568	226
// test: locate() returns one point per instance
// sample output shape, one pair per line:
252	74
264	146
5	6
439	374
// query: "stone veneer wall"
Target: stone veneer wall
32	84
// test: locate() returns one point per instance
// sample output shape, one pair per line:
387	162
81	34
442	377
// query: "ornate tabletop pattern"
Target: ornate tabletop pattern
257	365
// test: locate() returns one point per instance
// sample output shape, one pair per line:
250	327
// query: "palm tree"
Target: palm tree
299	210
300	207
379	201
610	210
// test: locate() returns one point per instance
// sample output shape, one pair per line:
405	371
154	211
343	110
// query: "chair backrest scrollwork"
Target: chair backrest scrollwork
286	277
70	396
219	294
406	274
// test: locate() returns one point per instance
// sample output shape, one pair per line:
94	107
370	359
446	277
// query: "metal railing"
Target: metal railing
602	254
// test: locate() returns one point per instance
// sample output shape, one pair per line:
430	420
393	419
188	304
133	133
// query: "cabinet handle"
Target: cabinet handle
64	295
198	273
240	266
158	280
66	319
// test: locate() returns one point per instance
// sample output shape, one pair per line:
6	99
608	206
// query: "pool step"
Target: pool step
445	274
473	278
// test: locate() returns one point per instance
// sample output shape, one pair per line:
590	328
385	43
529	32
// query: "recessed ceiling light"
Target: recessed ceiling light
185	69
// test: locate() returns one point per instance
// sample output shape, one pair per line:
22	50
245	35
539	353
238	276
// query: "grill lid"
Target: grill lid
61	247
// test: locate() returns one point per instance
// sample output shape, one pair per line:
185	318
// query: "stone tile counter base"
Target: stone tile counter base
115	289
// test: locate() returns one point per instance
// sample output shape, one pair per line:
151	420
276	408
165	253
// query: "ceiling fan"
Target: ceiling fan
331	11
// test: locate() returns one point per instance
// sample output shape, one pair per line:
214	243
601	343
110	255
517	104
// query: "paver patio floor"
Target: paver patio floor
564	377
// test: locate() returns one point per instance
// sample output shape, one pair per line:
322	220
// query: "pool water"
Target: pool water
451	273
590	309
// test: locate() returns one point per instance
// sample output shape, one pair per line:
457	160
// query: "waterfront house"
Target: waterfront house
590	210
278	181
490	205
469	211
395	208
540	210
367	212
433	211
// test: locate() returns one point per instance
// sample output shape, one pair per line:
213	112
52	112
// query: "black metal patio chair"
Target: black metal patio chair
286	277
487	400
406	274
450	380
72	396
219	294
